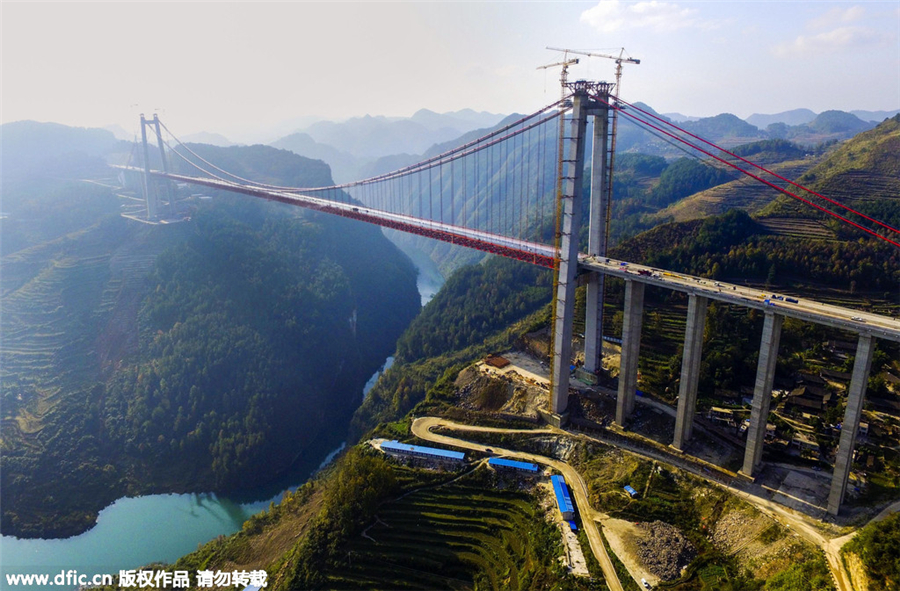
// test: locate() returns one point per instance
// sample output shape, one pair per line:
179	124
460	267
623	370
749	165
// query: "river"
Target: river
161	528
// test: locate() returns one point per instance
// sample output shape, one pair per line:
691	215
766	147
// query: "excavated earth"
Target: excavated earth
664	550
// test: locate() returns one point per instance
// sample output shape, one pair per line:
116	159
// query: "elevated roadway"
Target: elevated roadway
883	327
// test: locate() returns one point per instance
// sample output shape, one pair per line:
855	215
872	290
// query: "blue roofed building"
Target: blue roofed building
563	500
503	463
418	451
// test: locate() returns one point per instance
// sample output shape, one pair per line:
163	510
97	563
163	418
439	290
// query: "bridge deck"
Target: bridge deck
806	309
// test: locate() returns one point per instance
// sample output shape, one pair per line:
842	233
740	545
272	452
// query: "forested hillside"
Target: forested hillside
199	356
735	247
475	310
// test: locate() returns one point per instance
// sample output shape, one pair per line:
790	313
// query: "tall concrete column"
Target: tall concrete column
631	349
762	392
690	370
855	398
568	255
597	240
163	185
149	192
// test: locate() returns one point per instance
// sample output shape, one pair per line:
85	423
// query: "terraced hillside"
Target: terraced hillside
65	308
463	535
863	173
745	193
69	318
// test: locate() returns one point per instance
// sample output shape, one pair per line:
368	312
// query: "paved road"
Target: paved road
421	428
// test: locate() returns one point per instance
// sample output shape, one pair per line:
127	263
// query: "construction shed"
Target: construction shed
496	361
503	463
405	449
563	500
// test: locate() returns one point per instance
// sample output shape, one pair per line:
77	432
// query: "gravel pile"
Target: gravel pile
664	550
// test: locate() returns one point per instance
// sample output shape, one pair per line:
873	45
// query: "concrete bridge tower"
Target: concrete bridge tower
584	104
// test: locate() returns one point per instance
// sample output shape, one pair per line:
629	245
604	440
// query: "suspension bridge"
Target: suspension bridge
517	192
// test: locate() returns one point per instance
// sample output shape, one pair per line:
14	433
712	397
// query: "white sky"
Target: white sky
241	68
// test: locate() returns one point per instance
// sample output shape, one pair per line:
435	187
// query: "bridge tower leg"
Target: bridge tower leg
597	241
690	370
762	392
570	224
855	398
165	163
631	349
150	196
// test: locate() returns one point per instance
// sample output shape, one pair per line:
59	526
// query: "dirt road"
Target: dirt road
421	428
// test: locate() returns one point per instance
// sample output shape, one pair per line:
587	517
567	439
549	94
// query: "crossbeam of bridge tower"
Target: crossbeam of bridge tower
690	370
855	398
569	228
597	239
762	392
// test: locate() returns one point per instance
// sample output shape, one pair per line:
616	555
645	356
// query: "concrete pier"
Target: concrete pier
855	399
568	255
690	370
631	349
762	392
593	316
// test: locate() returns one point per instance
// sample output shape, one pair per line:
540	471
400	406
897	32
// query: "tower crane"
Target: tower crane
564	74
620	59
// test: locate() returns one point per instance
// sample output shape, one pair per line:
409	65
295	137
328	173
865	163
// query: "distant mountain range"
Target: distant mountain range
353	147
794	117
801	126
205	137
876	116
345	167
29	147
804	116
679	118
373	137
120	133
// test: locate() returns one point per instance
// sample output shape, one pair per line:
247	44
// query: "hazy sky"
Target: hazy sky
242	68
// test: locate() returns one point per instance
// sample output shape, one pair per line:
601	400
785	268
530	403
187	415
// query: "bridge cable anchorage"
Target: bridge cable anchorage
642	122
757	166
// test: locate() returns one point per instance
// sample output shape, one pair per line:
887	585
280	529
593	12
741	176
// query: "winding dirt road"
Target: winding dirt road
421	428
798	523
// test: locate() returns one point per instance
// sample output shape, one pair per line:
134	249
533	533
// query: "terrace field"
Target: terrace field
466	534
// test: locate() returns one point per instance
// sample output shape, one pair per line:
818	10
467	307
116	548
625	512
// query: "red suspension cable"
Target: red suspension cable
799	186
750	174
